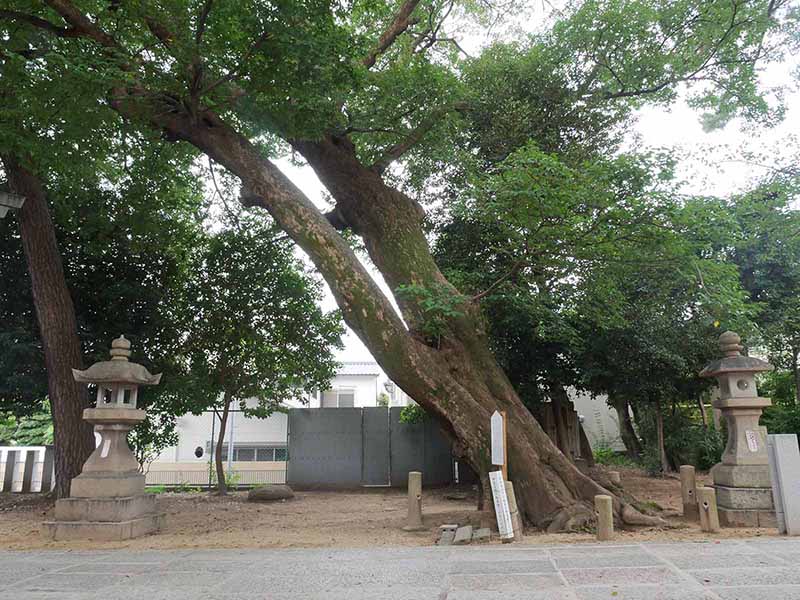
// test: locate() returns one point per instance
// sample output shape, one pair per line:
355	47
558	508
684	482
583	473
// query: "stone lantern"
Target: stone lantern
742	479
107	500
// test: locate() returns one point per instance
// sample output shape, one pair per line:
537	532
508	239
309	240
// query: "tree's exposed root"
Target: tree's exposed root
581	517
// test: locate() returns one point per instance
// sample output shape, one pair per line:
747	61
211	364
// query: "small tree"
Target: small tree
254	330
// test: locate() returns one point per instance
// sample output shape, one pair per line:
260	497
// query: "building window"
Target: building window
255	452
338	398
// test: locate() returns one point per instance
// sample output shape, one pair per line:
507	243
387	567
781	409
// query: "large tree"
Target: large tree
352	98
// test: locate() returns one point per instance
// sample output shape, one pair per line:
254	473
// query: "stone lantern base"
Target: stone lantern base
107	502
744	495
104	519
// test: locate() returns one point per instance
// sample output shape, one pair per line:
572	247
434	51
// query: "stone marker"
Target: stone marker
615	478
741	480
707	505
689	492
784	460
484	534
414	502
516	517
447	534
107	499
270	493
463	535
605	517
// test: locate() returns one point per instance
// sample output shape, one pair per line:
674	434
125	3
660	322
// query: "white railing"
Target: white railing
22	468
195	477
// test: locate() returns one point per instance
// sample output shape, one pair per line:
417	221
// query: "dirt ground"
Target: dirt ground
372	517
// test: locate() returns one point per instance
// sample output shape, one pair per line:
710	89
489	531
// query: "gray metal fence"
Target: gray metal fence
26	469
351	447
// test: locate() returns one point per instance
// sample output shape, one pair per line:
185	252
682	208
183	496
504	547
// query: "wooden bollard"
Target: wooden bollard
605	517
707	507
414	502
516	518
689	492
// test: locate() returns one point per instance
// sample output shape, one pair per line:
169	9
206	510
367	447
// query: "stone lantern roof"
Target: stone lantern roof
733	361
117	370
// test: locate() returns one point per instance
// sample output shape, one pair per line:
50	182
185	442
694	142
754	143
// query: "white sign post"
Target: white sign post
501	509
498	439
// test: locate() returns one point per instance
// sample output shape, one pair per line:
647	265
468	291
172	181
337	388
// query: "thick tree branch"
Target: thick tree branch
13	15
84	26
413	137
399	24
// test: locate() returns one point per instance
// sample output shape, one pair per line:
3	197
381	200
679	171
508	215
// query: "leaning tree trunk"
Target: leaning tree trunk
222	484
55	313
633	447
662	451
457	381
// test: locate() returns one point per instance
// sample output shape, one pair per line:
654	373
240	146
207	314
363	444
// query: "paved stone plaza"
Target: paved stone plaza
759	569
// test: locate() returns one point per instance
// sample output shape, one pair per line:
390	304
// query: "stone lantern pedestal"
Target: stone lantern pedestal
742	479
107	500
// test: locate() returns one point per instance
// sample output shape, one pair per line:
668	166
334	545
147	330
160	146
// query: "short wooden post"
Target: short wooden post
414	502
689	492
605	517
516	517
707	505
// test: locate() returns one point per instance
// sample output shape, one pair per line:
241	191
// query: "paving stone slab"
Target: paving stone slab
748	576
751	592
554	594
475	567
621	576
506	583
463	535
641	559
644	592
690	561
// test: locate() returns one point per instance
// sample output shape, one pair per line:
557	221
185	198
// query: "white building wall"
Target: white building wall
600	421
195	430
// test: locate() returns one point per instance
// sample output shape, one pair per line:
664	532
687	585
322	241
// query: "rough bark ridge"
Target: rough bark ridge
55	313
626	430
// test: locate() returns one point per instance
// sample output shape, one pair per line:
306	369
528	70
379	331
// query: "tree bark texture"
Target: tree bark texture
222	484
55	313
626	431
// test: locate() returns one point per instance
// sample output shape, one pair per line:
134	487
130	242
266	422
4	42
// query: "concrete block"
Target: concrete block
707	506
689	492
483	534
463	535
605	517
750	476
446	538
104	509
785	470
105	532
744	498
622	576
731	517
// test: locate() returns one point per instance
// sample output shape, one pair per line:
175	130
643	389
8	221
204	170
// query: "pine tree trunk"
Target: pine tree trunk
222	485
457	379
55	313
662	452
626	431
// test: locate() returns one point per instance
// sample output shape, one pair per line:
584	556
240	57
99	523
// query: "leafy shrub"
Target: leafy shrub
782	418
412	413
606	455
156	489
